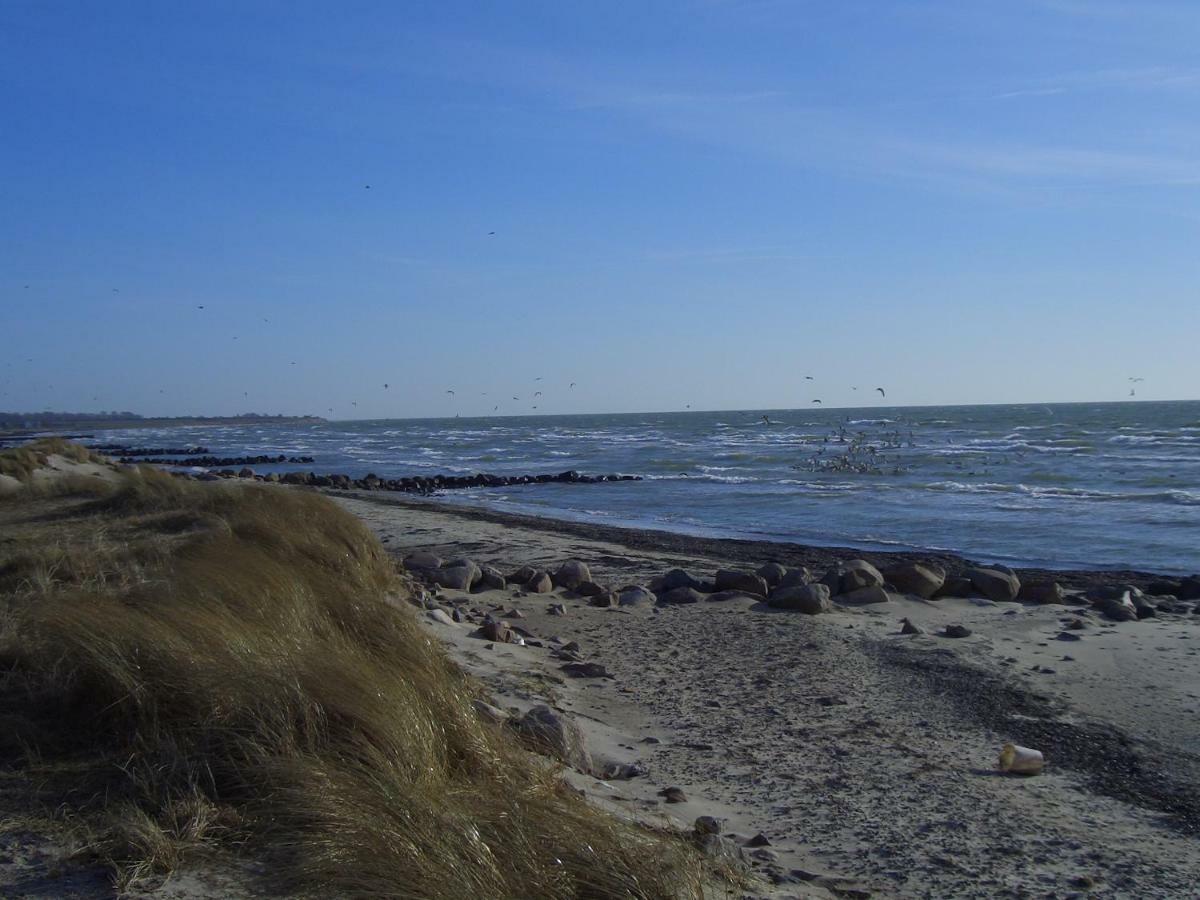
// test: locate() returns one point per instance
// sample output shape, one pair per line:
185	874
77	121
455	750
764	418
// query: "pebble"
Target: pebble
673	795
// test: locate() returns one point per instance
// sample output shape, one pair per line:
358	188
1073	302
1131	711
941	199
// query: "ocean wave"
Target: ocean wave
1181	497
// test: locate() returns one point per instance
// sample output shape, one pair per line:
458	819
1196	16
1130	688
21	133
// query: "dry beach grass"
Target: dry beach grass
188	668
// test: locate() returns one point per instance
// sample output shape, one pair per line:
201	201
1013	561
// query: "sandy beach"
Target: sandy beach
867	759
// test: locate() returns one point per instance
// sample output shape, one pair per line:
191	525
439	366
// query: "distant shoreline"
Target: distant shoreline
31	426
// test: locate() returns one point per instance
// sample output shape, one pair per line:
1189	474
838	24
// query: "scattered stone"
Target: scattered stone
589	589
498	631
956	631
805	598
772	573
831	701
548	731
1077	625
955	586
864	596
607	599
513	613
759	840
456	577
746	582
673	795
586	670
999	585
922	579
680	595
557	609
724	596
522	575
1121	610
1067	636
907	627
623	771
457	615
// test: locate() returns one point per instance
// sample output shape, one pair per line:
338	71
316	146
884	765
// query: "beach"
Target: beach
867	759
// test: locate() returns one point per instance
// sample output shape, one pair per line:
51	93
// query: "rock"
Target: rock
907	627
805	598
997	584
553	734
725	596
794	577
602	601
955	586
422	559
557	609
1041	592
615	771
832	579
858	573
1077	625
636	595
586	670
489	713
521	576
746	582
772	573
571	574
1143	607
513	613
1189	588
489	580
759	840
680	595
1067	636
922	579
1121	610
676	578
540	583
864	596
589	589
498	631
440	616
718	848
457	578
673	795
707	825
956	631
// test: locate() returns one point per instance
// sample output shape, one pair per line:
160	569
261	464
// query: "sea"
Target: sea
1070	486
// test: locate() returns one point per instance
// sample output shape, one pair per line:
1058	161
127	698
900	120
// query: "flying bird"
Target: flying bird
808	378
449	392
491	232
882	391
494	408
366	187
1131	392
571	385
1131	378
816	401
385	385
537	393
516	398
201	306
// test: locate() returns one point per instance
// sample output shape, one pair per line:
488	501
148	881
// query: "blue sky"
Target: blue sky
693	203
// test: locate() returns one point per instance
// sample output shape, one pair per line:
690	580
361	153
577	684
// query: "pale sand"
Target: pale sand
866	757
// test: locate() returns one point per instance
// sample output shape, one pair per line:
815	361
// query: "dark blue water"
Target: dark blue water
1105	485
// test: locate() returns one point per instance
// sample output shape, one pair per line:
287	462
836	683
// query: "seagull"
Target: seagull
449	392
537	393
366	187
882	391
516	398
494	408
292	363
1136	379
816	401
385	385
491	232
354	403
853	387
808	378
687	406
1131	392
115	291
571	385
201	306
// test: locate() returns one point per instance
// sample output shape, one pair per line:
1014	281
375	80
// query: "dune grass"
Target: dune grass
21	462
228	665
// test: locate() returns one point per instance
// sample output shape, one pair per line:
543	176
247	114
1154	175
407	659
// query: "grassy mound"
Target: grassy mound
234	665
21	462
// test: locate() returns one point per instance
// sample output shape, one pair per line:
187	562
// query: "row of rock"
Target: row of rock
216	462
123	450
415	485
850	583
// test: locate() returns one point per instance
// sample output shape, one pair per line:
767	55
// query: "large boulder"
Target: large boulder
864	596
772	573
1189	588
858	573
422	559
635	595
680	595
540	583
589	589
746	582
549	732
805	598
1000	585
1043	592
955	586
456	577
793	577
489	580
571	574
676	578
921	579
521	576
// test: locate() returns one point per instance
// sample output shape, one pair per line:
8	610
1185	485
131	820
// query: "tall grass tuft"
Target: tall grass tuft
252	685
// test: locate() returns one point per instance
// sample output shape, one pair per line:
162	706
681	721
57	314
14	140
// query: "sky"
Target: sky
670	204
